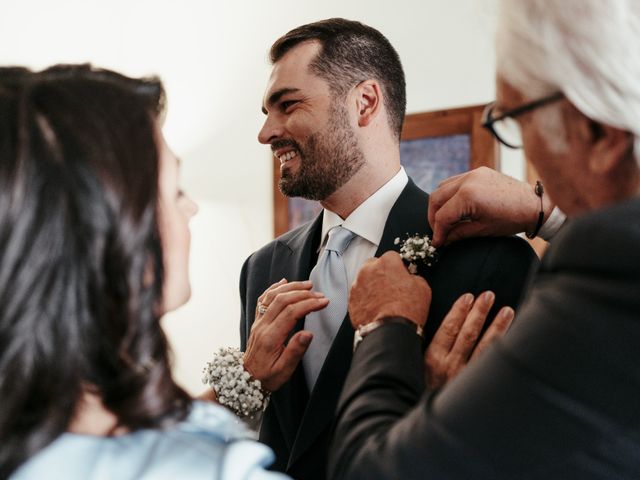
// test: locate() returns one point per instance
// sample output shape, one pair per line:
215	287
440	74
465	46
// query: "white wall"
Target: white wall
212	56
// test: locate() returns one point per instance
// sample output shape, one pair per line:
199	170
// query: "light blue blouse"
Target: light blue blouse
210	443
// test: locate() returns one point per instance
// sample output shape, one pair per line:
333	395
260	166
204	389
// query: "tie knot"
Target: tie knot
339	238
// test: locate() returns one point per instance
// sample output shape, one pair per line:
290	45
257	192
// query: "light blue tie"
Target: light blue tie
329	276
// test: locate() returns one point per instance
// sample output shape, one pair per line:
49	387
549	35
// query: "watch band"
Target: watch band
364	330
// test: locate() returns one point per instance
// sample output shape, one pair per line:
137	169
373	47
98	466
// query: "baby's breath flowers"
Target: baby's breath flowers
416	249
233	385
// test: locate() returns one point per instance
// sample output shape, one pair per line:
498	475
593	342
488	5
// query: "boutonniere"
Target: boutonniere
417	249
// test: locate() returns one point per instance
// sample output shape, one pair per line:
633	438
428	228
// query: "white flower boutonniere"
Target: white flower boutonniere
417	249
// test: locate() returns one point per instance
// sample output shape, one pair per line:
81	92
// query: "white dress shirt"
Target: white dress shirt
367	222
552	225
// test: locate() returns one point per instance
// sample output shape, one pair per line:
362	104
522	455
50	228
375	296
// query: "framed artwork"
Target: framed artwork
434	146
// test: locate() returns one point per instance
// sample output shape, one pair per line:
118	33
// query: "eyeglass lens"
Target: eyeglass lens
509	132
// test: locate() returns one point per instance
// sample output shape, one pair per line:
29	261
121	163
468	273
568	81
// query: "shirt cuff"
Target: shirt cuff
552	225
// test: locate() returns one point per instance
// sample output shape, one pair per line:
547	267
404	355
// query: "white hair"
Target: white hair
587	49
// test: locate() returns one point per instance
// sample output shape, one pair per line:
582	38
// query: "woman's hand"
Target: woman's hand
269	357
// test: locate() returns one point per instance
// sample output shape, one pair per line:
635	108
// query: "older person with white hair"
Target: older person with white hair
556	398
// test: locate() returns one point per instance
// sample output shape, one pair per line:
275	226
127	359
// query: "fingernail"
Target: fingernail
467	299
307	282
488	297
305	339
507	313
282	280
318	294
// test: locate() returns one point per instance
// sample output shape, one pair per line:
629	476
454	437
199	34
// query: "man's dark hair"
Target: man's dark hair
81	271
350	53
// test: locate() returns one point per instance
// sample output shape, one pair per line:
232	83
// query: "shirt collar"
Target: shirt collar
368	220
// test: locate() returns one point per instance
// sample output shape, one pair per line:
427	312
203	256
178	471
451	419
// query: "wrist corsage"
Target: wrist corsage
417	249
233	385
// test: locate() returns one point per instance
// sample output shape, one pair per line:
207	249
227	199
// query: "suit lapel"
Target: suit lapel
292	259
408	215
319	411
292	256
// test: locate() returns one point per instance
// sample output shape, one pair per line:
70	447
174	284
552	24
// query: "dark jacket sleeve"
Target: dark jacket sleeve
254	280
244	323
555	399
383	431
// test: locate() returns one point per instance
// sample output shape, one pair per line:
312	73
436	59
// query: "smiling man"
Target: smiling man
334	106
331	154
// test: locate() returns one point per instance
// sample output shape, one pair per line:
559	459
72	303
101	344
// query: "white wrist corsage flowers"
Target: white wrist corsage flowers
233	385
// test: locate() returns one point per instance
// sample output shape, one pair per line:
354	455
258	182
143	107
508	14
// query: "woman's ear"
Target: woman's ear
368	101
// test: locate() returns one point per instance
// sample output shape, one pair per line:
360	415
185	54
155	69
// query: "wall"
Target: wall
212	56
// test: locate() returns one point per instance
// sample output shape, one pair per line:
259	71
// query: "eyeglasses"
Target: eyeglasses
505	128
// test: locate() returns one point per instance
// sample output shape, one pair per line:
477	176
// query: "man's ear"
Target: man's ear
368	101
610	146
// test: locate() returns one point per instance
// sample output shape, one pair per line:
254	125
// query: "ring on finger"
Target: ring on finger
262	308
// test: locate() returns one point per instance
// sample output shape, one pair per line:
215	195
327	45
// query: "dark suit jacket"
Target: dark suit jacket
557	398
298	426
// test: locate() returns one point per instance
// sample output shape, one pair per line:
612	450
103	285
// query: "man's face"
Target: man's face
560	163
309	130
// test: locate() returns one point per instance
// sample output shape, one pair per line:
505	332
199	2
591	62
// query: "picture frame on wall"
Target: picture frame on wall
434	146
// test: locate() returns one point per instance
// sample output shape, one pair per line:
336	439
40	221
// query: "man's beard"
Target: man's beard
328	160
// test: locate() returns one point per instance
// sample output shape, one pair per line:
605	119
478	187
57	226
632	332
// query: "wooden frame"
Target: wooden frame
456	121
483	149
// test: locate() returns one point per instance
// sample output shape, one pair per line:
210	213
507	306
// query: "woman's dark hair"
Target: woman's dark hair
80	255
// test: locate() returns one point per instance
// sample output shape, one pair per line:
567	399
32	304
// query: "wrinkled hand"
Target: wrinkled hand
267	358
384	288
483	202
456	341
